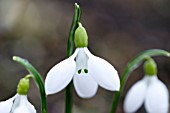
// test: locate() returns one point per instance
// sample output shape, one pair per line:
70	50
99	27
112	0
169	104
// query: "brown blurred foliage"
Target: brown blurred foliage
118	30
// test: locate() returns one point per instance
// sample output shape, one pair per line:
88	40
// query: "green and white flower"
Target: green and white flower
17	104
87	71
150	91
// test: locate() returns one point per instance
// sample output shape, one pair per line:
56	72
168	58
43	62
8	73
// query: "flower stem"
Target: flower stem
37	78
76	20
70	48
132	65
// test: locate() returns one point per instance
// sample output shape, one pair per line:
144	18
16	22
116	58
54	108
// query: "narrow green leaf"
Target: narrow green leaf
76	20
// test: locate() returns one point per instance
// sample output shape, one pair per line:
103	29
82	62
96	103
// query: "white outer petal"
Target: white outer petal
22	109
6	106
24	106
85	86
60	75
135	97
30	107
157	98
103	72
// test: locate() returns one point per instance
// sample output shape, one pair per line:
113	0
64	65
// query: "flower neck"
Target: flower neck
80	37
150	67
23	85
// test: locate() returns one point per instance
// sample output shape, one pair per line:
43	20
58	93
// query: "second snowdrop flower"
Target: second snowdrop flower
87	70
150	91
18	103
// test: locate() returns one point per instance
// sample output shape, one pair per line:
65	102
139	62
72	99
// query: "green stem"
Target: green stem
132	65
37	78
76	20
70	48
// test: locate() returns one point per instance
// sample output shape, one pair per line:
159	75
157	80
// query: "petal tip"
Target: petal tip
48	92
117	88
86	96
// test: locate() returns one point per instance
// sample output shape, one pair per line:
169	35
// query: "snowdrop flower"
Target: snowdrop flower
87	71
18	103
150	91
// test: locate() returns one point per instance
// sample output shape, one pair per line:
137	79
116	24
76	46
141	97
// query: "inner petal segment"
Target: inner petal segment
81	62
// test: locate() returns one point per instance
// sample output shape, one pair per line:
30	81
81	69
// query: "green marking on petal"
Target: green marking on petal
79	71
86	71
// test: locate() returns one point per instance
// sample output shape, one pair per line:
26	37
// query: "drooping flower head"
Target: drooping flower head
87	71
18	103
150	91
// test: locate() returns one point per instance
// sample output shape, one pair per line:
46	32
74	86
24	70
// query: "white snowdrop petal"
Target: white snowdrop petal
30	107
81	60
22	109
157	98
84	85
60	76
135	97
103	73
89	54
23	106
6	106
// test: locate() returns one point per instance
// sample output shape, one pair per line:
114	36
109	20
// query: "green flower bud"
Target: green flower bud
80	37
23	86
150	67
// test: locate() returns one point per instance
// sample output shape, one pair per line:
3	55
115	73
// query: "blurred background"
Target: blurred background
118	30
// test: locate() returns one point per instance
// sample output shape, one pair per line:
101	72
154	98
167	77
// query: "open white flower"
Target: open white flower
17	104
150	91
87	71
